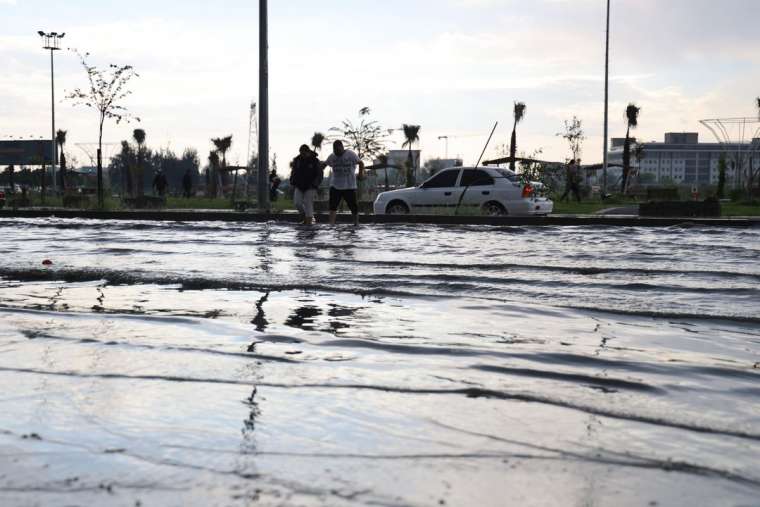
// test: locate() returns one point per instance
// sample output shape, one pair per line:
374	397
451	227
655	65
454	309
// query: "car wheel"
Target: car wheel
397	208
494	209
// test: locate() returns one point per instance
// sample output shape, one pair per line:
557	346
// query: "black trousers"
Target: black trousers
348	195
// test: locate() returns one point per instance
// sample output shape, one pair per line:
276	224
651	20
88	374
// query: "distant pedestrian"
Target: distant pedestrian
572	183
343	180
160	183
187	184
305	177
274	185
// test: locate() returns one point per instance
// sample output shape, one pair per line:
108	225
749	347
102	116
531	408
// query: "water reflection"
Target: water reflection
304	317
249	424
260	320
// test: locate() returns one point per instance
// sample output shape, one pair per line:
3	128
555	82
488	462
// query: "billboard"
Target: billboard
26	152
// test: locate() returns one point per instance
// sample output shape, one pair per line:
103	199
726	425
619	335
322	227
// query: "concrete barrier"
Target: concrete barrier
232	216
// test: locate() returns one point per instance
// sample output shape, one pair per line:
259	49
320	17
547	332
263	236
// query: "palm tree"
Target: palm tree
632	118
757	103
412	135
60	140
519	114
139	180
222	145
316	141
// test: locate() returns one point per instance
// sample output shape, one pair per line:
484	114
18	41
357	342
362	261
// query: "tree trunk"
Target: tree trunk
43	183
62	171
101	197
101	200
513	148
626	160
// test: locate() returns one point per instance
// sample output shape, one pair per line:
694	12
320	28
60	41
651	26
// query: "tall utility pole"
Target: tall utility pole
263	161
253	136
51	43
606	102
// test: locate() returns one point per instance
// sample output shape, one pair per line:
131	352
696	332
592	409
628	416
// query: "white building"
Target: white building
682	159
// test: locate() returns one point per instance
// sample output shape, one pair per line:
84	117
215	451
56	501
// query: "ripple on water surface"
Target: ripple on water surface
387	364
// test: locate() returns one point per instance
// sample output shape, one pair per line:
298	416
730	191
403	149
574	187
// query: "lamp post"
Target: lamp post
606	103
263	160
446	139
51	43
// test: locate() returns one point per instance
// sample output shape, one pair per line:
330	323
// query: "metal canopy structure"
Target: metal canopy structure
740	140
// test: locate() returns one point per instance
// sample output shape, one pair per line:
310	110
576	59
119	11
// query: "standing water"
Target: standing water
226	364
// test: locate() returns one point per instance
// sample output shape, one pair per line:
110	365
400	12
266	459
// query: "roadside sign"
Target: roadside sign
26	152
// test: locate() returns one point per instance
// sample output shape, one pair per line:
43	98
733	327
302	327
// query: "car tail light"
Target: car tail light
527	191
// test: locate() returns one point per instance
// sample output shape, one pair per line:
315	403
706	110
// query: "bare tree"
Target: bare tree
108	87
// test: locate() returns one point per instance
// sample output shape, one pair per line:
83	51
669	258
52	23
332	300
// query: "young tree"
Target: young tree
366	138
412	135
639	154
60	140
574	136
108	87
519	114
632	119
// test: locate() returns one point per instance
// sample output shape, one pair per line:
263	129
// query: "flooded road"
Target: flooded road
267	364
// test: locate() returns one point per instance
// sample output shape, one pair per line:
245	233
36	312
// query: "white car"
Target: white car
494	192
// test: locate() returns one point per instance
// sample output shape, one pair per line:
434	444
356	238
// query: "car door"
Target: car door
437	193
478	188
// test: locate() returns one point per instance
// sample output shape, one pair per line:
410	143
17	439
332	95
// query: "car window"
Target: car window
507	174
475	178
443	179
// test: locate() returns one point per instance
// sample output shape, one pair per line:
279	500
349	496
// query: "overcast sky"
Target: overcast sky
453	66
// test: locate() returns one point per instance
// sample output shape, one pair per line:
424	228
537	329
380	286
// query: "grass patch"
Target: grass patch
732	209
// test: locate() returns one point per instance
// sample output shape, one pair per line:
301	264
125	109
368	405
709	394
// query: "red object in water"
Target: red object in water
47	262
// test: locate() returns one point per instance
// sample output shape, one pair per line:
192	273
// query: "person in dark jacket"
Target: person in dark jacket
160	183
305	176
572	183
187	184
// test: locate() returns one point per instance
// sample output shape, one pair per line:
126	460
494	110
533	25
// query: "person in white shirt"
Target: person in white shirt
343	180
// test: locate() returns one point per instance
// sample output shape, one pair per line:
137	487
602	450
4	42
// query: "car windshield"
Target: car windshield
507	174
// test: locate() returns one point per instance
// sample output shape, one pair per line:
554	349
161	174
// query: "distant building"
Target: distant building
682	159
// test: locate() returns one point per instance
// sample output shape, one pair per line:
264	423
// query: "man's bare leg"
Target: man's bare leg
333	216
356	220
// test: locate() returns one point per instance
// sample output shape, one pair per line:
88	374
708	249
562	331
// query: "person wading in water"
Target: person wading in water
305	176
343	180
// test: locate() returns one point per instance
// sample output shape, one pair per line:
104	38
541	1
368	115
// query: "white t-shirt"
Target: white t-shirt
343	176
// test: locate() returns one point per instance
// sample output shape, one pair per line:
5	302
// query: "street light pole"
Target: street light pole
263	159
446	139
606	103
51	43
